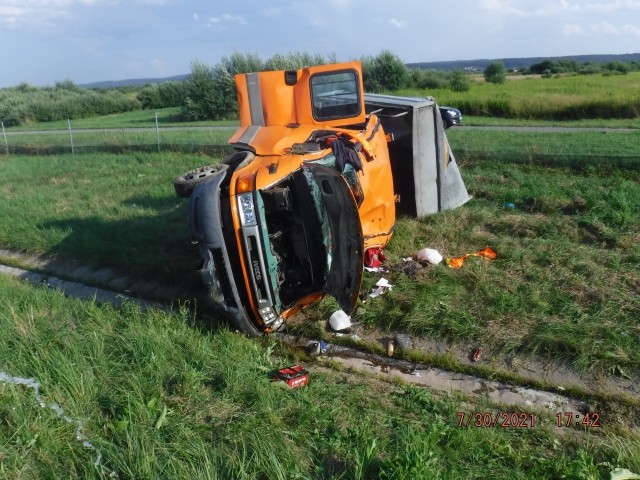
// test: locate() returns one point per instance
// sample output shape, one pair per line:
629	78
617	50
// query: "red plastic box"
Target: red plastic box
294	376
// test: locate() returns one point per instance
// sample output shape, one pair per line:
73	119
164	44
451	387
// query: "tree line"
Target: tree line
208	93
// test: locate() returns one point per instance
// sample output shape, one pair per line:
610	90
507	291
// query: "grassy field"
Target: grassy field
564	286
474	120
156	395
117	140
167	117
564	98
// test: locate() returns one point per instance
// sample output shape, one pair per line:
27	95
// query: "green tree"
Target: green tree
428	79
295	61
199	88
172	94
149	97
384	72
460	81
495	72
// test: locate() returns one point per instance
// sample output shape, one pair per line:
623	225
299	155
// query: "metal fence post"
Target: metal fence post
4	134
70	136
157	131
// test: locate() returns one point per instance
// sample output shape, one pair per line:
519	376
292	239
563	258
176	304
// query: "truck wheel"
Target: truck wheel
185	183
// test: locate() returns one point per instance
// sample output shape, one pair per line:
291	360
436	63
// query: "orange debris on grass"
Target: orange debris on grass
458	262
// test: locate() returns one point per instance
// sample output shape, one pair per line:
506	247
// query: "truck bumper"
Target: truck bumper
216	272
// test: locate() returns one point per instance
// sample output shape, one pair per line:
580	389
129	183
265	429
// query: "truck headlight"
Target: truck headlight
247	210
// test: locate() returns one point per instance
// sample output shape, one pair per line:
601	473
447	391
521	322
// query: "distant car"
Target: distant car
450	116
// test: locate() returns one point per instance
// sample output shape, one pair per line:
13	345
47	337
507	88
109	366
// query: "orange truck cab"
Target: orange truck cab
286	219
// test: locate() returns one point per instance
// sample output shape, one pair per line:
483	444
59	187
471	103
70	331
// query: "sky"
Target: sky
44	41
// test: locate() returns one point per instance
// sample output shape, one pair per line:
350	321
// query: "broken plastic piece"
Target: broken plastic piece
477	354
339	320
623	474
430	255
457	262
294	376
382	286
373	258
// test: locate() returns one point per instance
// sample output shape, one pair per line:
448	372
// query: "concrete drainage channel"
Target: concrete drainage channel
525	399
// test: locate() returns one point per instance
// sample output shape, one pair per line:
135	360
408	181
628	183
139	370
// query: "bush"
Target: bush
210	92
149	97
23	104
384	72
460	81
428	79
296	61
199	87
495	72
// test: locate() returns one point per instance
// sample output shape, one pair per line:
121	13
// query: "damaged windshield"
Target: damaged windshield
313	236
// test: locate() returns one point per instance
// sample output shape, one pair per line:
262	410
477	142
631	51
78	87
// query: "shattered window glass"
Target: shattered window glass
325	225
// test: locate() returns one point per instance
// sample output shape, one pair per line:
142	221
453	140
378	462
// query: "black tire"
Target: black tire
185	183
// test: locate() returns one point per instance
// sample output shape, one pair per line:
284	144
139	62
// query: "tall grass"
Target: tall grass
562	98
119	141
161	396
26	104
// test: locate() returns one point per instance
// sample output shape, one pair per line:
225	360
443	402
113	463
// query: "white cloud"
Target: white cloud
310	11
196	17
35	13
573	31
342	4
398	23
631	30
529	8
226	20
606	28
272	12
601	29
610	7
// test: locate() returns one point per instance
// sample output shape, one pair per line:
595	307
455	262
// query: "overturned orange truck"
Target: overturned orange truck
319	172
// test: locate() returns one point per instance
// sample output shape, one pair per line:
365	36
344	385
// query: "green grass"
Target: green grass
167	117
564	285
114	139
161	396
477	121
107	210
566	98
579	149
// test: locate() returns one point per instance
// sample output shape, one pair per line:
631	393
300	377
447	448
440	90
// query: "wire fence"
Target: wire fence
211	140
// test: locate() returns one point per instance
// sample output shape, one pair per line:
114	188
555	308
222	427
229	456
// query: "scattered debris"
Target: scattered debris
312	348
509	205
390	348
294	376
430	255
623	474
339	321
373	259
382	286
408	266
476	354
457	262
